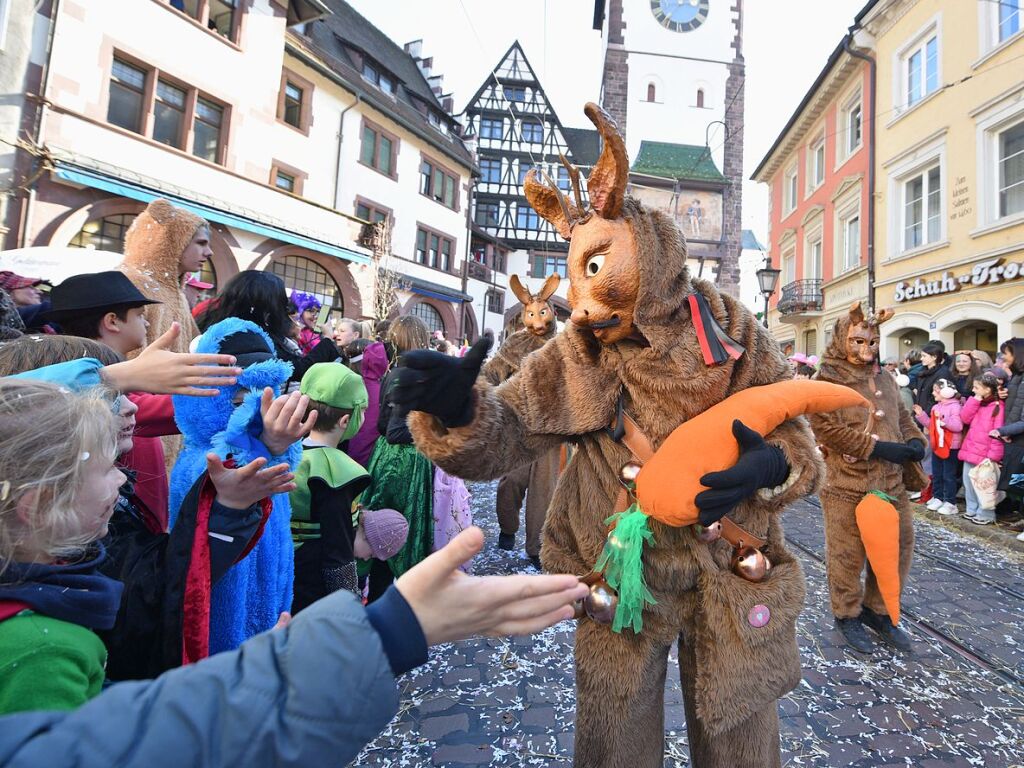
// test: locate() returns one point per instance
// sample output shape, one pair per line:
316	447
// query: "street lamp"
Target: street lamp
767	279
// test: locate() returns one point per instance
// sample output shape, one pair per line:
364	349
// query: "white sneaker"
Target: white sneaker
1020	536
947	509
914	496
934	504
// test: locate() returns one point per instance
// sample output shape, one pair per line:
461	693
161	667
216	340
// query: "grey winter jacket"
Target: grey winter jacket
310	694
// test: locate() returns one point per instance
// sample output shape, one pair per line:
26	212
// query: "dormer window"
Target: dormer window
382	80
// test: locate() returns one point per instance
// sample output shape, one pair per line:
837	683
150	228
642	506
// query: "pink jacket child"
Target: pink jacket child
947	412
982	417
374	366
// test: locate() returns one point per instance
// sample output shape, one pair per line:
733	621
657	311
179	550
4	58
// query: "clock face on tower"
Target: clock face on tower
680	15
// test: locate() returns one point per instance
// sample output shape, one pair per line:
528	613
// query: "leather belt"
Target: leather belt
626	431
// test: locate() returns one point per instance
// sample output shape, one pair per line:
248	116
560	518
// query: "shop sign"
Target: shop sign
988	272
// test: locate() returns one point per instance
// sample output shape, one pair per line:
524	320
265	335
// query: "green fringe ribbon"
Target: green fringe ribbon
623	566
883	496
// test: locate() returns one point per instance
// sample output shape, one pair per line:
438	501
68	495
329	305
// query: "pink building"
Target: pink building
817	173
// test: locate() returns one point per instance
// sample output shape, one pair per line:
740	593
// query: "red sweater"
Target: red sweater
146	458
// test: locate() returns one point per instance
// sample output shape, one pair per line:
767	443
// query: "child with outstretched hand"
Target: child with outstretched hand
324	684
57	498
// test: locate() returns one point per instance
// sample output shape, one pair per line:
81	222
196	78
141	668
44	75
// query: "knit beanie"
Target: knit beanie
340	387
386	531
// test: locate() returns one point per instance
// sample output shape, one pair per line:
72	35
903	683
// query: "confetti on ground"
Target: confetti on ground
958	701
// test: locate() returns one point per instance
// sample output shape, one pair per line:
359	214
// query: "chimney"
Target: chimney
434	81
414	48
447	103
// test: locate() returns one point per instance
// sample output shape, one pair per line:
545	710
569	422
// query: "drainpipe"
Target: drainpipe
341	136
40	126
872	71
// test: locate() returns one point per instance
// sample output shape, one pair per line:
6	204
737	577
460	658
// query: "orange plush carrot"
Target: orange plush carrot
879	525
667	486
670	481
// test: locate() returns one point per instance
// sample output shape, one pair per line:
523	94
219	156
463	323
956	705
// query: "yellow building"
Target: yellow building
949	193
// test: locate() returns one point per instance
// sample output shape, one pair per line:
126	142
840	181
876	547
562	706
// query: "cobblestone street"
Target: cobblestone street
958	701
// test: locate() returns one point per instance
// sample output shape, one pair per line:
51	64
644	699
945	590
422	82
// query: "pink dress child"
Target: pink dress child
452	514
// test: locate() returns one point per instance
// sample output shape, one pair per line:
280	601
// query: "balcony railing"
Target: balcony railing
478	271
800	297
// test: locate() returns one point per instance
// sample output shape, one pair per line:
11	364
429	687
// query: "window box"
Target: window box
544	264
295	102
917	69
490	170
379	149
150	103
790	196
286	178
492	128
434	249
222	18
816	164
439	183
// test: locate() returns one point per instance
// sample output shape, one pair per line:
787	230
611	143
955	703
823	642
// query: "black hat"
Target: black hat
248	348
93	292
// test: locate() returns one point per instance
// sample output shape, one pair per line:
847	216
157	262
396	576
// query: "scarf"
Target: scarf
75	592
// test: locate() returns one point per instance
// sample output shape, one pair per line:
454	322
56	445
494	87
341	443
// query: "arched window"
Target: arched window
700	97
106	234
305	275
430	316
651	92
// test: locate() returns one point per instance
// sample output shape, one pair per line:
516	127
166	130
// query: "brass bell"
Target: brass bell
600	604
750	564
708	533
578	611
629	472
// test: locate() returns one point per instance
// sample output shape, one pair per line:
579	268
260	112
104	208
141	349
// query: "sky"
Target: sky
466	38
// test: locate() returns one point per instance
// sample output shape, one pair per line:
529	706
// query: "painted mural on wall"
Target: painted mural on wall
698	212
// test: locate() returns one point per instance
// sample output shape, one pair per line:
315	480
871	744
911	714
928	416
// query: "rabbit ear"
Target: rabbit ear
550	204
884	314
549	287
519	290
606	184
856	314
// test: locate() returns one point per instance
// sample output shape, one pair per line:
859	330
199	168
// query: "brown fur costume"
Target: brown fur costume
535	481
847	443
152	252
568	390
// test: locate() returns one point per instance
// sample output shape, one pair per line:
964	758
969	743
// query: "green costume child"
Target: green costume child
328	485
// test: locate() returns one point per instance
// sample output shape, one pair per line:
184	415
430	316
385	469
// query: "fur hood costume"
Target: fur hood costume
253	593
850	440
152	252
535	481
733	666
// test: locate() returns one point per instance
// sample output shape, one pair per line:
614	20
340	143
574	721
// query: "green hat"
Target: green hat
340	387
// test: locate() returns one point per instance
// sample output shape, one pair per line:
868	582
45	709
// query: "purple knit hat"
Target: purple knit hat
386	531
304	301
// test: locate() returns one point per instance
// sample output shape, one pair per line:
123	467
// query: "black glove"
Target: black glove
439	384
898	453
760	466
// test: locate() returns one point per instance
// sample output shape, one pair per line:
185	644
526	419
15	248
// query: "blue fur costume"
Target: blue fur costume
252	594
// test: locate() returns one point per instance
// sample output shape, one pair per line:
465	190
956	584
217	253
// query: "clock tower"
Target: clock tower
673	81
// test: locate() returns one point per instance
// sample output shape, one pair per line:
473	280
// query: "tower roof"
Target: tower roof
676	161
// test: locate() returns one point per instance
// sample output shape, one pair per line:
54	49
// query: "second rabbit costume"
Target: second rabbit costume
537	479
865	452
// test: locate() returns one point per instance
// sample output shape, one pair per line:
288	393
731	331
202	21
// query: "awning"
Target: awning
125	188
435	290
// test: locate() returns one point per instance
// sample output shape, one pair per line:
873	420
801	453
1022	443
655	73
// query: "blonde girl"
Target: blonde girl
58	488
